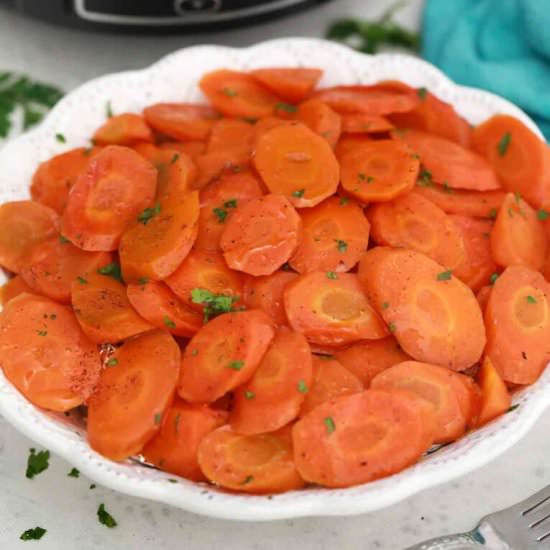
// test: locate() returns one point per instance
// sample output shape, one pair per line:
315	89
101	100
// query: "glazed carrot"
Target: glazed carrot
211	166
495	398
482	296
350	142
261	235
103	310
131	398
266	293
335	233
367	359
379	171
12	288
53	265
363	123
265	124
330	380
125	129
518	156
224	354
358	438
433	315
546	267
55	177
295	162
267	467
411	221
155	245
117	185
182	121
45	354
518	236
470	399
331	309
228	133
273	396
190	148
23	224
449	163
156	303
518	326
290	84
237	94
321	119
174	448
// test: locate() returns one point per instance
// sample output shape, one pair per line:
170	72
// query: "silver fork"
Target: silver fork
524	526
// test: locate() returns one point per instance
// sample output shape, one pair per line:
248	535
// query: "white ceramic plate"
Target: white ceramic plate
174	78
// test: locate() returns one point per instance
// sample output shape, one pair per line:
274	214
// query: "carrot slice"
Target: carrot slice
267	293
330	380
434	316
103	310
131	398
482	296
191	148
350	142
156	303
52	267
331	309
23	224
273	396
224	354
518	156
295	162
379	171
261	235
125	129
367	359
174	448
237	94
518	325
363	123
495	398
335	233
117	185
411	221
265	124
358	438
291	84
181	120
450	163
12	288
45	354
321	119
256	464
213	165
518	236
228	133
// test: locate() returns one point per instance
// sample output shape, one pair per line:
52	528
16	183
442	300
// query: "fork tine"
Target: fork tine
530	504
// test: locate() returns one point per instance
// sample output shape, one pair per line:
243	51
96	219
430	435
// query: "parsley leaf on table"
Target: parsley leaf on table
105	518
37	463
33	534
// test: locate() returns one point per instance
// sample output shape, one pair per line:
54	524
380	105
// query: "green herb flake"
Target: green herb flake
510	213
344	201
37	463
74	473
61	138
425	178
143	281
33	534
517	197
157	419
229	92
105	518
168	322
148	214
214	304
111	270
109	109
231	203
444	275
236	169
504	143
531	299
542	215
299	193
392	327
362	176
493	213
325	356
415	156
220	213
112	362
385	305
370	179
286	267
82	280
447	188
63	239
249	394
42	332
247	480
493	278
330	425
172	480
341	245
422	93
332	275
288	107
302	387
513	408
194	352
92	486
236	365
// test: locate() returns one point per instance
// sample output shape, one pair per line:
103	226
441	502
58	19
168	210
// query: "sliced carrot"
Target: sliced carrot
237	94
273	396
256	464
482	296
411	221
228	133
213	165
191	148
546	267
379	171
449	163
518	325
156	303
291	84
131	398
266	293
12	288
358	438
261	235
470	400
350	142
267	123
103	310
330	380
367	359
224	354
125	129
182	121
45	354
320	118
434	316
23	224
53	265
295	162
363	123
335	234
174	448
117	185
495	398
518	236
331	309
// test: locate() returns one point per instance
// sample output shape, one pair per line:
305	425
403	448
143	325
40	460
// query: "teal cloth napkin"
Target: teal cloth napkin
499	45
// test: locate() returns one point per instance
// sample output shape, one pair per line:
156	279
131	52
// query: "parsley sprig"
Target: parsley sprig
37	463
214	304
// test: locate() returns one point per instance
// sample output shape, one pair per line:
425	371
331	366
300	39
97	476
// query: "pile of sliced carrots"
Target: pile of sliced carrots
290	286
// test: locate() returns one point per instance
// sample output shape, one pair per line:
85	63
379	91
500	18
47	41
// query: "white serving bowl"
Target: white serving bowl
175	78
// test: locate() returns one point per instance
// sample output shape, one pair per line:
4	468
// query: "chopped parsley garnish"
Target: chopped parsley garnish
247	480
220	213
109	109
344	201
370	179
288	107
148	214
493	213
61	138
172	480
231	203
74	473
112	362
425	178
175	158
392	327
531	299
325	356
332	275
236	365
92	486
82	280
214	304
513	408
415	156
105	518
229	92
493	278
447	188
249	394
194	352
517	197
299	193
37	463
341	245
33	534
444	275
330	425
158	419
111	270
286	267
542	215
362	176
143	281
63	240
302	387
168	322
385	305
422	93
504	143
42	332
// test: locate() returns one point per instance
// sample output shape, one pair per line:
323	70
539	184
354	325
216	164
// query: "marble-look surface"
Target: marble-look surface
66	507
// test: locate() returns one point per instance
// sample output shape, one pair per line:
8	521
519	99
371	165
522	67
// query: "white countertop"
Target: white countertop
66	507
